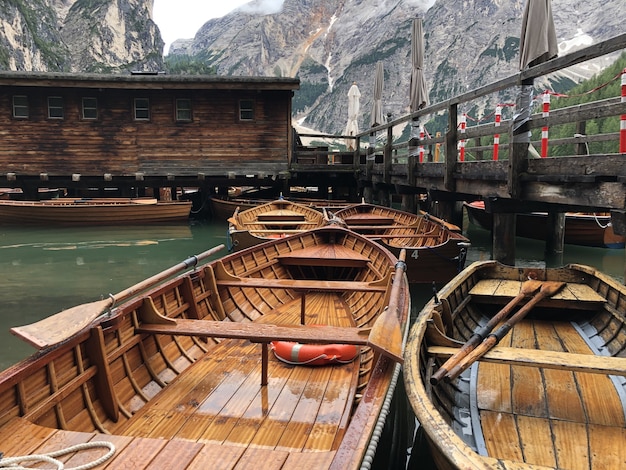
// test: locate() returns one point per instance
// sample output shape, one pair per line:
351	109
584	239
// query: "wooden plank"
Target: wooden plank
258	332
564	401
504	441
536	442
547	359
571	443
498	291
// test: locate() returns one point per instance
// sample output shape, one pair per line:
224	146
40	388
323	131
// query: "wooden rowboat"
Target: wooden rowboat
181	375
585	229
93	211
436	249
545	389
224	207
276	219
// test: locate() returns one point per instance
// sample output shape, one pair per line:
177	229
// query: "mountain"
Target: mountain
79	36
329	44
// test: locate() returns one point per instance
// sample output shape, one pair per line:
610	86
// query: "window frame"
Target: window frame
146	109
243	111
84	107
178	110
60	107
25	106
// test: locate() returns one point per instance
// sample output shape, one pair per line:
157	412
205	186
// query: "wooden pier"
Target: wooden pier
457	164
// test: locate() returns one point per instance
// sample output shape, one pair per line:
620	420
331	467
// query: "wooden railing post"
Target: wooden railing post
451	148
388	156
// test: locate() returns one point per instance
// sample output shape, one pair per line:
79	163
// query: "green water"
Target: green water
45	270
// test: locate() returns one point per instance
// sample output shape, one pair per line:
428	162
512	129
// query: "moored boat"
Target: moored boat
521	368
93	211
224	207
275	219
180	373
585	229
436	250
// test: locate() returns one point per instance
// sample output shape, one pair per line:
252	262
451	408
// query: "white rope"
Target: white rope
11	462
595	216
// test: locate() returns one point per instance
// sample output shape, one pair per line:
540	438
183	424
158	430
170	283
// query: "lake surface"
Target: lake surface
46	270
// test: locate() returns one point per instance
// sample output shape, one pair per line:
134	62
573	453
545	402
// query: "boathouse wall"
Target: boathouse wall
157	125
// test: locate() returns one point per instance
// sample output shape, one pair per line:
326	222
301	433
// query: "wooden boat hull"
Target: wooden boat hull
580	229
436	250
550	394
276	219
108	211
179	376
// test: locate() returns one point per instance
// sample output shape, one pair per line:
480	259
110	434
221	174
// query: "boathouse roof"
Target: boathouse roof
145	80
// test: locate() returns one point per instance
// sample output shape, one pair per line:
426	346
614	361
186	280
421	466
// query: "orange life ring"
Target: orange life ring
314	354
277	235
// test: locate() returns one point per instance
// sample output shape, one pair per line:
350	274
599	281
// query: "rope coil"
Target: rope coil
51	457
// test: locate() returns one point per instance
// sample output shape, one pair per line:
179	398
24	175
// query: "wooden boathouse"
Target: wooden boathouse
129	133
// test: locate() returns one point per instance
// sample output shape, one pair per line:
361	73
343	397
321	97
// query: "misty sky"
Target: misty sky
181	19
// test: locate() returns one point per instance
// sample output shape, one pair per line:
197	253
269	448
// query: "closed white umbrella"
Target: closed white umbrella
418	92
352	126
537	44
538	38
377	118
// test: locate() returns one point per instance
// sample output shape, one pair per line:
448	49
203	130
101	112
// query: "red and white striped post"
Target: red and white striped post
622	123
421	147
544	129
462	124
496	137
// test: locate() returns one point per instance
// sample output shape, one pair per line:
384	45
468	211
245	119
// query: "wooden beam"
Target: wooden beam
260	332
547	359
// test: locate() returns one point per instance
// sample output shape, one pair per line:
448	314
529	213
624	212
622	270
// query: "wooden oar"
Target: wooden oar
548	289
386	334
63	325
528	288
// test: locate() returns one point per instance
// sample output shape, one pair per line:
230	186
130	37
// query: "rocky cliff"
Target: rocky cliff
79	36
329	44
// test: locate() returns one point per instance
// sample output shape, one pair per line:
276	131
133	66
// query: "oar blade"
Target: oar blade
386	336
57	328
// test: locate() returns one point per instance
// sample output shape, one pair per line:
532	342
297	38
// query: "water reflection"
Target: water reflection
45	270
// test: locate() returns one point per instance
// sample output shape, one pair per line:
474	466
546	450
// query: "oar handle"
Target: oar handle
187	263
476	354
547	289
480	334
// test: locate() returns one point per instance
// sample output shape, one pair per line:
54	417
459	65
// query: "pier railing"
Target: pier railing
494	154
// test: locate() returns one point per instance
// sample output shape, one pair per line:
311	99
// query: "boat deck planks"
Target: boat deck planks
548	401
21	437
302	415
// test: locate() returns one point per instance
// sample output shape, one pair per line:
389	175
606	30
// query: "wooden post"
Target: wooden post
451	148
555	238
408	203
503	242
383	197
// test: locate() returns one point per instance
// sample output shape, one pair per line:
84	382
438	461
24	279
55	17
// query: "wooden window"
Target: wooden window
20	106
90	108
142	109
183	109
55	107
246	110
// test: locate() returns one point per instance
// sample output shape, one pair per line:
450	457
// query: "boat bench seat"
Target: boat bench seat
547	359
259	332
153	322
303	284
